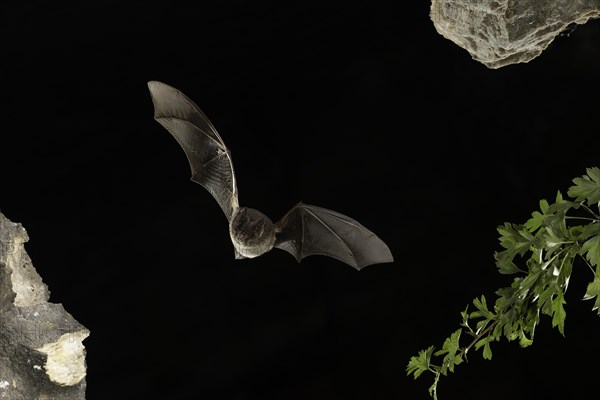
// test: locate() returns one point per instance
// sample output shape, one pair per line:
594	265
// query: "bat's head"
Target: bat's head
251	231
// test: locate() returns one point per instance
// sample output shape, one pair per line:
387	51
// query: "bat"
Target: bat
303	231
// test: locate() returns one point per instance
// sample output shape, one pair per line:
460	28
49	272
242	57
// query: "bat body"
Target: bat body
304	230
252	232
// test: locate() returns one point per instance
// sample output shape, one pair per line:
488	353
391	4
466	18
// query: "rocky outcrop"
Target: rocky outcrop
41	352
503	32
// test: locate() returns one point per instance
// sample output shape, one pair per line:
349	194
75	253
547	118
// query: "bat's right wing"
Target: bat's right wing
306	230
209	159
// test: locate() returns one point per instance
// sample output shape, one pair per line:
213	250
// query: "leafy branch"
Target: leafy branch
541	254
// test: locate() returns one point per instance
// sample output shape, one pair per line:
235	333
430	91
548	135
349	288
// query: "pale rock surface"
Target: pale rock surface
503	32
41	352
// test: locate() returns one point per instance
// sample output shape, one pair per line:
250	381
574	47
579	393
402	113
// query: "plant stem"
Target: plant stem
583	218
597	217
589	266
434	386
477	338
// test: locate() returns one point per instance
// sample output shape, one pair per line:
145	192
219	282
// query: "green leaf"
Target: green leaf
505	298
545	299
594	173
589	231
587	187
541	253
558	318
433	388
535	221
516	241
419	364
593	290
465	319
450	348
504	262
514	238
591	248
544	203
482	308
565	269
479	344
487	351
537	217
555	216
553	237
485	343
558	199
528	282
497	332
524	341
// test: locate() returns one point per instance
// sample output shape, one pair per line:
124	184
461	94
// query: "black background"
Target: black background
362	108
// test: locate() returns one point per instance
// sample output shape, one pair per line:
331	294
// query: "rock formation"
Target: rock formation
41	352
503	32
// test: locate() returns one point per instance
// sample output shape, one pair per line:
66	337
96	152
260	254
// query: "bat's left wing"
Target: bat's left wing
206	152
306	230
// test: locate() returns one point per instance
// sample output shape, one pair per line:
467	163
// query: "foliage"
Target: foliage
540	254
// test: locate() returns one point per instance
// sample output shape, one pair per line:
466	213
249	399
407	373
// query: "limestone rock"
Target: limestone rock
503	32
41	352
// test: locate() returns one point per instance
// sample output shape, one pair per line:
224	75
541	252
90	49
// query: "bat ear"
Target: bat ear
238	255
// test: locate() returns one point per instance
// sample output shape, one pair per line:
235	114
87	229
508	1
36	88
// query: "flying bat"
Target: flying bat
303	231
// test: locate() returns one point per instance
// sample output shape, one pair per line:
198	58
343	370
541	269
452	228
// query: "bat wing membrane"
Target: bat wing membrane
209	158
310	230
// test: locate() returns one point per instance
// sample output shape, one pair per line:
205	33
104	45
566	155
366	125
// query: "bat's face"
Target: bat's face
252	232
